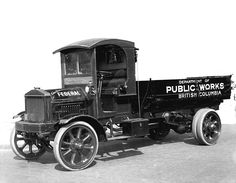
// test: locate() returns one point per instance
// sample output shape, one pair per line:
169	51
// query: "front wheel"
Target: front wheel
76	145
26	146
206	126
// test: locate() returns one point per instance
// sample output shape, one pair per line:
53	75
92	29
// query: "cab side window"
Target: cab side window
114	56
110	58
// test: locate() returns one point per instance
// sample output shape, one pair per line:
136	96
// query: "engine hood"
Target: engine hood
67	94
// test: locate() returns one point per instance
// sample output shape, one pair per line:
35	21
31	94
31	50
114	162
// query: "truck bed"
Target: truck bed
184	93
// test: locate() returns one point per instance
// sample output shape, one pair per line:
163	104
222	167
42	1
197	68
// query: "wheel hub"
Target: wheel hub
211	130
212	127
77	145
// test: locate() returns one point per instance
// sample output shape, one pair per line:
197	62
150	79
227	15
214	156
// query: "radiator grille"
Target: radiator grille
35	109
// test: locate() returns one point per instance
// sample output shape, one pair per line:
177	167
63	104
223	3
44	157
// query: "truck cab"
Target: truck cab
104	68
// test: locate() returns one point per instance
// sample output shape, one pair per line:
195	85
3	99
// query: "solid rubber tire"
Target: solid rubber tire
60	134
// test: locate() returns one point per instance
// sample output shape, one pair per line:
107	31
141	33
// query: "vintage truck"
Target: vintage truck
100	100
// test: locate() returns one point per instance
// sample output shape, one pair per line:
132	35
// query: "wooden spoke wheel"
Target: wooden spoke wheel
206	126
26	146
76	145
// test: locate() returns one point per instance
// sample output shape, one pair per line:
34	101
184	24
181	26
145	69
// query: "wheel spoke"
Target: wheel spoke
86	138
83	158
71	135
72	160
39	146
79	133
19	138
88	146
215	133
210	118
205	124
66	143
64	148
68	151
204	129
209	137
30	148
215	122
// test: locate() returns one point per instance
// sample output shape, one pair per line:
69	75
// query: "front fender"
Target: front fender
90	120
20	114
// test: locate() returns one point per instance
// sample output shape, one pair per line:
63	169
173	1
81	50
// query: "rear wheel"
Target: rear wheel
76	145
206	126
26	146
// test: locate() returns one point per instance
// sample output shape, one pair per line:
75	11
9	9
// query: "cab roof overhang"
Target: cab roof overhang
92	43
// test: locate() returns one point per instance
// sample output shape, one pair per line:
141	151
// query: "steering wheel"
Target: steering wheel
102	74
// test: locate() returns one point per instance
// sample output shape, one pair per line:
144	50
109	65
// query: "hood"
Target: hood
59	95
68	94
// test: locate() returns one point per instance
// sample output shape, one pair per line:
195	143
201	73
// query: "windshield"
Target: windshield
78	62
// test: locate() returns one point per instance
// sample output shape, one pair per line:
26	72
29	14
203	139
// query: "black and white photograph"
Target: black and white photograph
118	91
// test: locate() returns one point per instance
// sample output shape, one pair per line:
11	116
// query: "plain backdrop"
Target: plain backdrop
177	39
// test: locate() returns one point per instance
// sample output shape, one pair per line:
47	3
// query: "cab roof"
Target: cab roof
92	43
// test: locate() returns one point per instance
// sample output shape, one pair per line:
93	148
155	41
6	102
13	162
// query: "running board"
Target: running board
119	137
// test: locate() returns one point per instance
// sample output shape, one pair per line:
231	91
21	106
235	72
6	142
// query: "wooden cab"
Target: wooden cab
105	69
